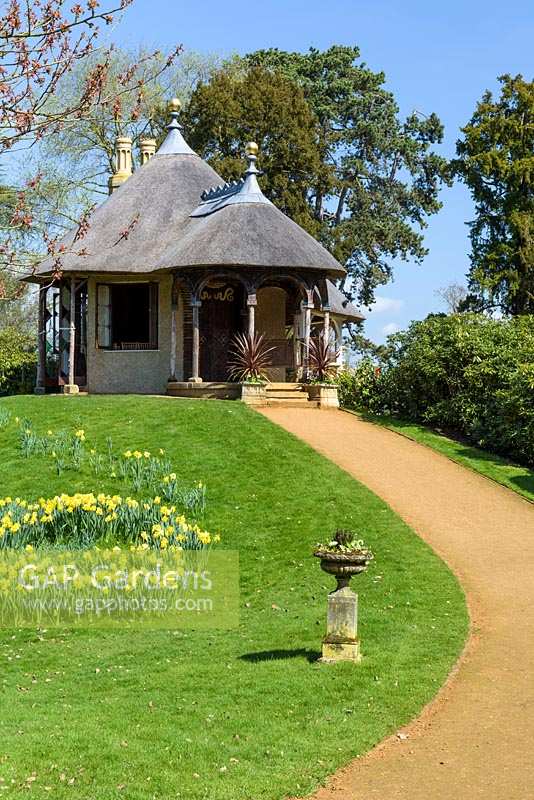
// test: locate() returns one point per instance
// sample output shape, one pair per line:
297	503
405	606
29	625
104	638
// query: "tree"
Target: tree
453	296
17	360
41	43
252	103
378	178
496	161
79	159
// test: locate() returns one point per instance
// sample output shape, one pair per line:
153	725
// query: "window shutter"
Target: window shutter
103	315
154	316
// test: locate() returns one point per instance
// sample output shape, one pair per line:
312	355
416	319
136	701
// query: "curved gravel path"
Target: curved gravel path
476	740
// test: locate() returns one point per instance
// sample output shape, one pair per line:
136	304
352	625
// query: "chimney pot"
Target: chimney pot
147	149
123	162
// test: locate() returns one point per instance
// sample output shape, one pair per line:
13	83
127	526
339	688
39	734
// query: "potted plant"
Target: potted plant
249	358
323	365
344	556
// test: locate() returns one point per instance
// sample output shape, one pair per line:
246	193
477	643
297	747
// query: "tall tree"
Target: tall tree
453	297
496	161
378	177
240	104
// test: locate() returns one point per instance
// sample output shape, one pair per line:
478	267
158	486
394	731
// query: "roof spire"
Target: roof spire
245	190
174	143
251	182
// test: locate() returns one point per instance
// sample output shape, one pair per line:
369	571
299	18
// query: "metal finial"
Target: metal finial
175	106
174	143
251	149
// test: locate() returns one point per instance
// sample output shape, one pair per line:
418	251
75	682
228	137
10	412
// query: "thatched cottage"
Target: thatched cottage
173	264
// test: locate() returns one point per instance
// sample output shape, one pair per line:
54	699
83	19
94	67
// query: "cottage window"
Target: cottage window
127	316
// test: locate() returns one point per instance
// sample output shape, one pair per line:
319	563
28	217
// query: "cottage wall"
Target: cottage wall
134	371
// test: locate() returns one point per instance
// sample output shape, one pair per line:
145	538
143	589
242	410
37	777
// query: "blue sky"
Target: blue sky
436	56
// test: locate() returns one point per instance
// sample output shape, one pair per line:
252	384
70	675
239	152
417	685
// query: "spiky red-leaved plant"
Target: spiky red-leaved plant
323	360
249	357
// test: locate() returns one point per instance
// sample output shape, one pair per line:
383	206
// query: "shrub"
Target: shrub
323	360
363	388
17	361
463	372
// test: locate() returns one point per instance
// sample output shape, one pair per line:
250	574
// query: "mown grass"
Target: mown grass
244	713
519	479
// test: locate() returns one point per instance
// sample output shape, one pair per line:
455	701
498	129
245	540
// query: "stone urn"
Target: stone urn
341	642
343	565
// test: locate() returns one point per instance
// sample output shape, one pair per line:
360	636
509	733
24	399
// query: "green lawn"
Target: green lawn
238	714
519	479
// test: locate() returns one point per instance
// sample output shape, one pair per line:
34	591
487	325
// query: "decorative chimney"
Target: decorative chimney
147	148
123	162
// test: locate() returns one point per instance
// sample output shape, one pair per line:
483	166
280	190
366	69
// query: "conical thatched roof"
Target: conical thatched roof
255	235
236	225
155	202
164	217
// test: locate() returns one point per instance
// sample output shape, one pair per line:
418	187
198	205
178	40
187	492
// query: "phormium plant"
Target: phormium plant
249	358
323	361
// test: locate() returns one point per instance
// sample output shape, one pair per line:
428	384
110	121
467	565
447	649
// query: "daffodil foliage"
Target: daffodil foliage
81	520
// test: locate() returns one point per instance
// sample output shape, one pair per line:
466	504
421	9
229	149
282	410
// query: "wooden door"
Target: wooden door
221	316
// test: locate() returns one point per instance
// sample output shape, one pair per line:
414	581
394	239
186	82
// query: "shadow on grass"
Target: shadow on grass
524	482
281	655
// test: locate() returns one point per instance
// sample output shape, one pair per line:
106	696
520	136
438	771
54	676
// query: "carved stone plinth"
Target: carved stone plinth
253	394
341	641
71	388
326	396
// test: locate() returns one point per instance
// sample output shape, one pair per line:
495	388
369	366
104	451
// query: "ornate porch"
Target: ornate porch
288	309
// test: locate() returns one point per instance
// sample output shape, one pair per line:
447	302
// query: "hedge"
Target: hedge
464	373
17	361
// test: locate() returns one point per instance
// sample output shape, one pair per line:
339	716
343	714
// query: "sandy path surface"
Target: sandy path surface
476	740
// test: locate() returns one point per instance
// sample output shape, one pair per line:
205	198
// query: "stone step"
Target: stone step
296	402
281	394
286	387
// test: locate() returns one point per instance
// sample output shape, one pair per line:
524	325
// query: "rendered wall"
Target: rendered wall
134	371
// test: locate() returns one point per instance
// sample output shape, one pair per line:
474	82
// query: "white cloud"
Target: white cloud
391	327
383	304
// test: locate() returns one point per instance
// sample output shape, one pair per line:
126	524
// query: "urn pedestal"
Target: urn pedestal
341	642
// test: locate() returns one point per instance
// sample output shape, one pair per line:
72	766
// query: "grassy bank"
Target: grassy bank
222	714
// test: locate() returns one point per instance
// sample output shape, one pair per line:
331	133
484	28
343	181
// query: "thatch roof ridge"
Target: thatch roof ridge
248	234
